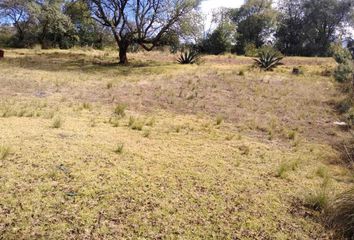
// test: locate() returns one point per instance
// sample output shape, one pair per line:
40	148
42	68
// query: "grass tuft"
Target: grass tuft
285	167
4	151
119	110
219	119
57	122
119	148
340	214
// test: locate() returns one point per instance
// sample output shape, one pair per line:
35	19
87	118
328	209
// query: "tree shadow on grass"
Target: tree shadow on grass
76	62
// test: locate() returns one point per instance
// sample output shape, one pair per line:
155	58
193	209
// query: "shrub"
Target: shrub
268	58
340	214
251	50
343	72
340	54
188	57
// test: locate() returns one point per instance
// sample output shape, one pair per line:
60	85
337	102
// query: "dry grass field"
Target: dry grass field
157	150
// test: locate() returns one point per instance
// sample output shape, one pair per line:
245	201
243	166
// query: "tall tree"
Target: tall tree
53	26
309	27
88	31
255	21
142	22
17	12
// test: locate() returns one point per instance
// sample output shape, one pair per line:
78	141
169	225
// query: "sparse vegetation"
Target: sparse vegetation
98	174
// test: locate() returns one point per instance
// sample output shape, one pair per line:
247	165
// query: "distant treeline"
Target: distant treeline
295	27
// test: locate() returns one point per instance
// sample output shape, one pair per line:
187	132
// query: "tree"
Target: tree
53	26
309	27
255	22
88	31
142	22
17	12
220	40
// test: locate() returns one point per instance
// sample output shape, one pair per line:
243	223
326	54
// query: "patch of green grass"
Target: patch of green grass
285	167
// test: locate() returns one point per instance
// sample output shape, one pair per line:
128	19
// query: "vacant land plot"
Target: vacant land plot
90	149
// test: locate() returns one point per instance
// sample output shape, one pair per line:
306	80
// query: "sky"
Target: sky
208	5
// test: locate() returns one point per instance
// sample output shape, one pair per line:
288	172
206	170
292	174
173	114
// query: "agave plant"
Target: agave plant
268	59
188	57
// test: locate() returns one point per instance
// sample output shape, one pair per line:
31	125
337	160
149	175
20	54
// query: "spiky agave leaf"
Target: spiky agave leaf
188	57
268	59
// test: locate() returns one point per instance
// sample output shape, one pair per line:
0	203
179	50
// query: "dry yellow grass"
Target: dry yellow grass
186	174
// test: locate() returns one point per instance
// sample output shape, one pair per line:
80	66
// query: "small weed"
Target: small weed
131	121
119	110
219	119
92	122
86	106
245	150
229	137
119	148
151	122
114	122
292	135
137	125
57	122
109	85
241	73
178	128
146	133
285	167
4	151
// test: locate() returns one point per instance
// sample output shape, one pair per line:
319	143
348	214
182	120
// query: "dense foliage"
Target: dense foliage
295	27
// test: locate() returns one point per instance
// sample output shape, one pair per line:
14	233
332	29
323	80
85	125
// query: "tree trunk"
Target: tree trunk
123	48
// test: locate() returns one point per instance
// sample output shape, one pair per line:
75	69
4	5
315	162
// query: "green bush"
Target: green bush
251	50
343	72
340	54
